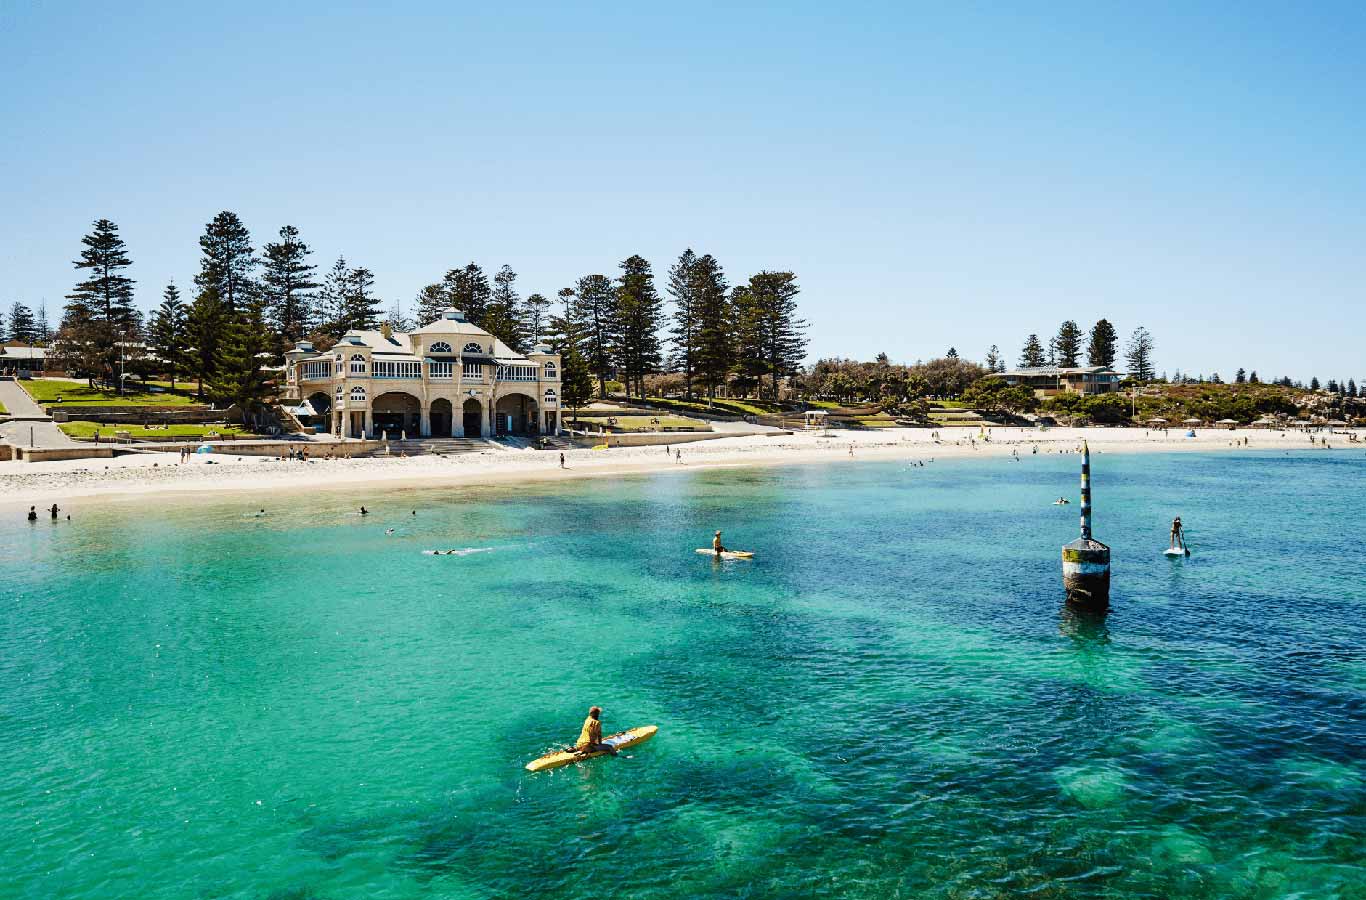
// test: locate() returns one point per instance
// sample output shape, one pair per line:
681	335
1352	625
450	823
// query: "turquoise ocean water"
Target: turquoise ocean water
889	701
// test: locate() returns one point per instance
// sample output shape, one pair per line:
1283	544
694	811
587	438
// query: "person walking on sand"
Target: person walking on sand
678	457
590	735
561	460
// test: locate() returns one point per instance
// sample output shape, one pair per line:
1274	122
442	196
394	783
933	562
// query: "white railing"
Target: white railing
316	371
472	372
516	373
397	369
440	371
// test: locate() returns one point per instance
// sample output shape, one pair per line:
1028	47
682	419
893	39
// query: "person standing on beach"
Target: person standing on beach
561	460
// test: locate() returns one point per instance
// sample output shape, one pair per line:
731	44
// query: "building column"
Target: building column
369	430
559	426
425	430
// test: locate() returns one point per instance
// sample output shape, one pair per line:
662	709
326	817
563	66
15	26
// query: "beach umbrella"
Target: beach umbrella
1191	422
1158	421
1227	422
1337	422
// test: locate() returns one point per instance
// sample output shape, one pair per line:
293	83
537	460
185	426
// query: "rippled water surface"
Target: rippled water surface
888	701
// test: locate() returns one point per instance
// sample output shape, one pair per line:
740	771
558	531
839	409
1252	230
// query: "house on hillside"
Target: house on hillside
448	378
1049	381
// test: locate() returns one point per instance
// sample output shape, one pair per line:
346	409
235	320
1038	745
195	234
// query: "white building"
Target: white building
448	378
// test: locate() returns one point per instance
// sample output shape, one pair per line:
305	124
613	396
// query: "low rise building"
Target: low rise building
448	378
1049	381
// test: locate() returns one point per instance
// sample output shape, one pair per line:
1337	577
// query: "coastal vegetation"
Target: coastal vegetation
695	343
248	307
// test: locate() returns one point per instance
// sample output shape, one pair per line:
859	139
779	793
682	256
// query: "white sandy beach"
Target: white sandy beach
160	474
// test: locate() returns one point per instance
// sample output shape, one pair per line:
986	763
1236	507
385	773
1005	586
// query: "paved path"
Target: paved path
17	401
43	433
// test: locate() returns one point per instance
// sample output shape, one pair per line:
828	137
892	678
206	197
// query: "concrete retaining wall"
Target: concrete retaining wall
137	415
656	439
88	451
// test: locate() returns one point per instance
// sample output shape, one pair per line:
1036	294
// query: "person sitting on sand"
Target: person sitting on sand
716	545
1178	536
590	736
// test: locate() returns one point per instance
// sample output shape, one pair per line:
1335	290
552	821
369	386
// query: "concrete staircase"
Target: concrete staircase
436	447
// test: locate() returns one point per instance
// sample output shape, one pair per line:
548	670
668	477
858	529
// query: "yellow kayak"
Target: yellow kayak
620	741
728	554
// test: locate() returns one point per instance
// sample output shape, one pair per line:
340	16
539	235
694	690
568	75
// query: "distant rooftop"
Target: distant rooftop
1059	370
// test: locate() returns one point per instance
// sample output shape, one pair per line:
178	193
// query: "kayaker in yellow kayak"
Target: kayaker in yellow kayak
716	545
590	736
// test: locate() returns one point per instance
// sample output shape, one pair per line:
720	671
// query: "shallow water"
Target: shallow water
889	701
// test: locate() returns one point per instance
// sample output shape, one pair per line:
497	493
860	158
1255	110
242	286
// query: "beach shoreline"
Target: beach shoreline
139	476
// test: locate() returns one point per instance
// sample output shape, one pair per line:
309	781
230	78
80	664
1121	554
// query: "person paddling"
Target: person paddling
1178	536
717	547
590	736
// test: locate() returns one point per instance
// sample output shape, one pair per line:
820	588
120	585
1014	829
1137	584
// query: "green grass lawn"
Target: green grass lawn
78	393
82	430
723	407
644	423
876	422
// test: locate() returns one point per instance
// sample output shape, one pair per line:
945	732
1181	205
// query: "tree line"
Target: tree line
248	308
25	326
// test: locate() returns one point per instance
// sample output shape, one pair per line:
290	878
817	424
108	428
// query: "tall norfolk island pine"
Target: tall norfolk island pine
287	284
782	343
683	333
1101	350
1067	344
99	311
714	351
640	312
227	262
169	332
595	317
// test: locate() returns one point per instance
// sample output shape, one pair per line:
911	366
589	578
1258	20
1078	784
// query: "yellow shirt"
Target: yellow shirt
591	733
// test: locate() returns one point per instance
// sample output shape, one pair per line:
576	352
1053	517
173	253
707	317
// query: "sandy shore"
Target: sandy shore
162	475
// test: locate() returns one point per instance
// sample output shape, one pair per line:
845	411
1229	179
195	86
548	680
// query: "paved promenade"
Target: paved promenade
39	431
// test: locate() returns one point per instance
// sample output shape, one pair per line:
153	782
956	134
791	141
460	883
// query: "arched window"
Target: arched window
357	364
472	347
549	395
440	347
339	392
550	370
358	395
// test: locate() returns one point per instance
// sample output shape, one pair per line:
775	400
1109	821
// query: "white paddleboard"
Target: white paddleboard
727	554
463	552
1175	552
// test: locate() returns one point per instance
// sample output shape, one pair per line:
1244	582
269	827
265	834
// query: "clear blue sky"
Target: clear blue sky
951	174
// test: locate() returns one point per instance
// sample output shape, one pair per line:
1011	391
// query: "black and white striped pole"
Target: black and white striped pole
1086	561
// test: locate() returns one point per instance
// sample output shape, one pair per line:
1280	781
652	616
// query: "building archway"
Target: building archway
396	413
441	418
472	414
517	414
